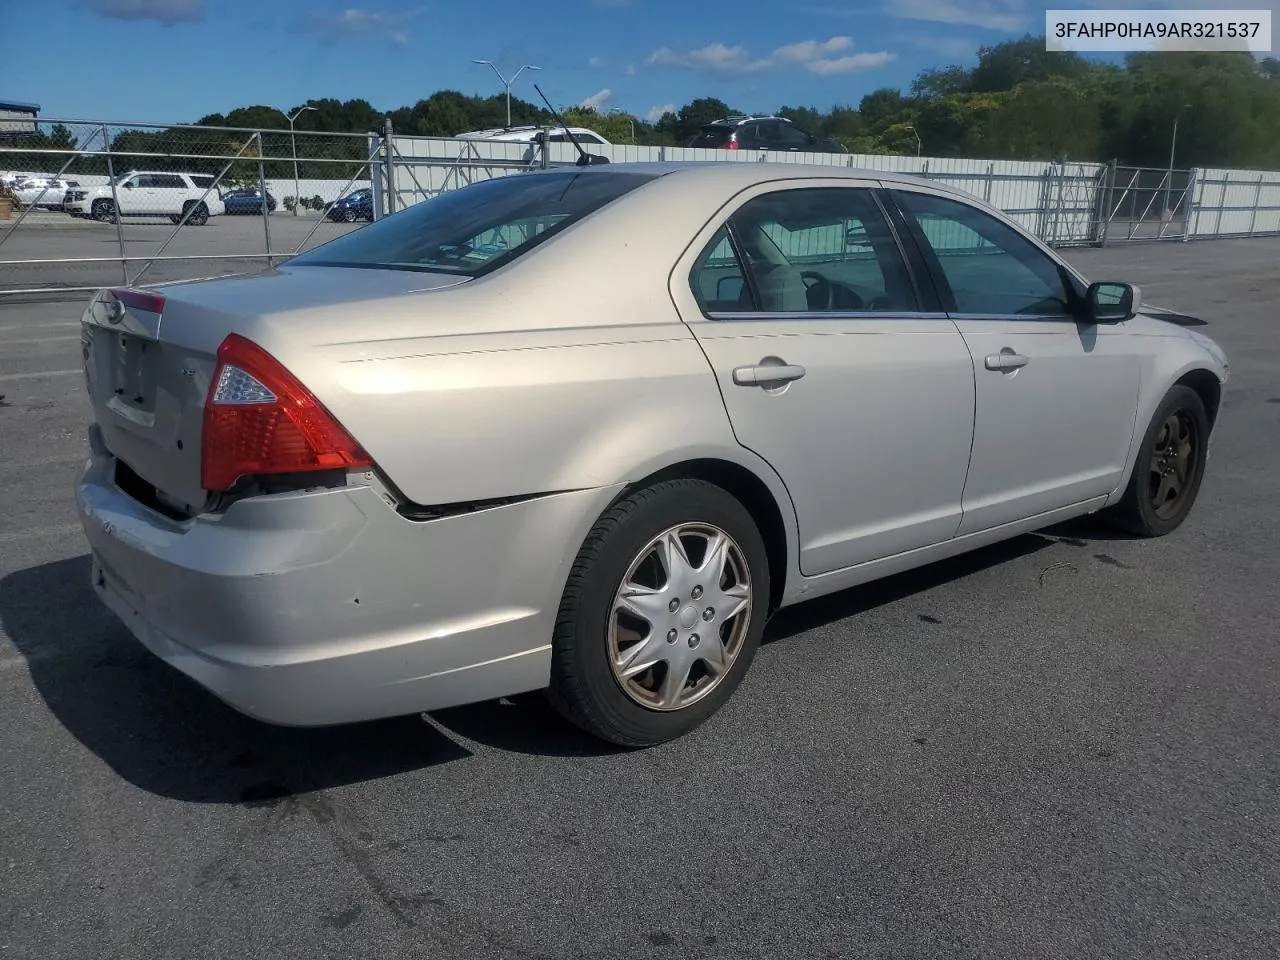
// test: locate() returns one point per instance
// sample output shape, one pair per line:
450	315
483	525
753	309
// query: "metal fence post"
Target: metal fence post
1107	196
991	175
262	187
389	166
115	204
1257	199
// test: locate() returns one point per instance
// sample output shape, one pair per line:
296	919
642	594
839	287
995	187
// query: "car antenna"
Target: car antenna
584	159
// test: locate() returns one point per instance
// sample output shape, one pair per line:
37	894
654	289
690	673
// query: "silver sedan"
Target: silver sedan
585	430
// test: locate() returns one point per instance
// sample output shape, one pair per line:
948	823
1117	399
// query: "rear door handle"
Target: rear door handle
766	374
1006	360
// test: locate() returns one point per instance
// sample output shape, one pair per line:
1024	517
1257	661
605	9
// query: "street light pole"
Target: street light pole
507	83
293	143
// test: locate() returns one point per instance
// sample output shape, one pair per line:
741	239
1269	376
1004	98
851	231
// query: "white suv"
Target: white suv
148	193
529	134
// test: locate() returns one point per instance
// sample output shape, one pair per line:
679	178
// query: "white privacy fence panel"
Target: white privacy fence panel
1055	201
1234	203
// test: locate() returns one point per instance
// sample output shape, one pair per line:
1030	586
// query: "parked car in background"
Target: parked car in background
529	134
247	200
148	193
44	192
357	205
585	430
761	133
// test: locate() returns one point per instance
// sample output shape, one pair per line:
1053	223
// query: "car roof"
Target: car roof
742	175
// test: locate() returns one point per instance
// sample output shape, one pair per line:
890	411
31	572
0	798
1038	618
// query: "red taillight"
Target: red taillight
732	142
140	299
259	418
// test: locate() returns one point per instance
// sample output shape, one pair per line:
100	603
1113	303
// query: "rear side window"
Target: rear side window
805	250
710	137
475	230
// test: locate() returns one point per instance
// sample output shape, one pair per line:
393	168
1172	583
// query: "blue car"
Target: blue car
354	206
247	201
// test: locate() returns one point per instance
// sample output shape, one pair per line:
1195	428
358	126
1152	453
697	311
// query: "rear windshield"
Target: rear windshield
478	228
710	136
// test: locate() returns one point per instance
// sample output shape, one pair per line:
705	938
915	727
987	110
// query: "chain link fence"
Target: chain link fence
87	204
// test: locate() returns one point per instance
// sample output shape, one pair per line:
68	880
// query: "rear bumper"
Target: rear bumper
324	608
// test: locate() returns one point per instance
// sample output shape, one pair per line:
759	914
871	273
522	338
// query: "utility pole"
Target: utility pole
507	83
293	143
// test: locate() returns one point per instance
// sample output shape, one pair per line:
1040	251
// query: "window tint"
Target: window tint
789	136
709	137
719	283
478	228
813	250
990	268
202	182
168	181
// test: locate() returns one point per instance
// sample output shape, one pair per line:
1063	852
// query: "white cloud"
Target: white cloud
856	63
808	50
597	99
811	55
1005	15
165	11
341	25
631	70
656	113
596	62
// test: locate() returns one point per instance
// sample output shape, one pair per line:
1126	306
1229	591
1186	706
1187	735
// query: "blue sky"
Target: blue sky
176	60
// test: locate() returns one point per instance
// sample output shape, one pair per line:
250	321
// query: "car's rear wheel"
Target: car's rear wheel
104	211
349	215
661	615
1170	467
200	216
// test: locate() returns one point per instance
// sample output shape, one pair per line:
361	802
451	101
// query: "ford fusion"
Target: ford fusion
584	430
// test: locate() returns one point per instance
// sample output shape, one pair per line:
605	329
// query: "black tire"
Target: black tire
1148	509
104	211
584	687
200	216
349	215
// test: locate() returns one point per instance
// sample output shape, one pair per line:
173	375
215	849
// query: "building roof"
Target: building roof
19	107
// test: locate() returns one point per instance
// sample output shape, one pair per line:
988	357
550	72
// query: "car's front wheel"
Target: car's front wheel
661	615
104	211
1170	467
349	215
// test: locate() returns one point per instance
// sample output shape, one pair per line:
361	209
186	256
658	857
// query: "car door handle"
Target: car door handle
1006	360
767	373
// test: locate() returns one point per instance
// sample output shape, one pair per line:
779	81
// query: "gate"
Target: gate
1146	203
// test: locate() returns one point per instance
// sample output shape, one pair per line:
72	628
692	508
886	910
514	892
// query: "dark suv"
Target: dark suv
761	133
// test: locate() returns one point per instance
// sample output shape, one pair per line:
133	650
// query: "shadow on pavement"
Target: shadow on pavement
165	734
849	603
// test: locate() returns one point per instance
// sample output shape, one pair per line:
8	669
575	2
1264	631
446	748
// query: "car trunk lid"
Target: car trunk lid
151	354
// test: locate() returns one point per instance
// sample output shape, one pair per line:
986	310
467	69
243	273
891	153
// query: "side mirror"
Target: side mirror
1113	302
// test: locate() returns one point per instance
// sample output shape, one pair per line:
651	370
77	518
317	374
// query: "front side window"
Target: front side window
808	250
478	228
991	269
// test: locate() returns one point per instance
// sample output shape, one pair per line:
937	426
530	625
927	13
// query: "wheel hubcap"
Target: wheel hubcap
1173	460
680	617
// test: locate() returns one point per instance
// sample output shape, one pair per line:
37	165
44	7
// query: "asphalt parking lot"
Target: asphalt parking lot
226	244
1063	746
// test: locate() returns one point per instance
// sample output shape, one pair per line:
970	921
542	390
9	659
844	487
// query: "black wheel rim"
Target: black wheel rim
1174	459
